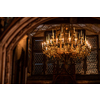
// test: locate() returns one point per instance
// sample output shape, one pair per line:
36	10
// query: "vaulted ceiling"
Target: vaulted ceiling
88	23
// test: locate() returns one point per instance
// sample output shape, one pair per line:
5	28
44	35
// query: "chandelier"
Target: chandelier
66	42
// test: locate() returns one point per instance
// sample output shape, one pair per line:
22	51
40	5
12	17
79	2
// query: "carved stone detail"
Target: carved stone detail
7	66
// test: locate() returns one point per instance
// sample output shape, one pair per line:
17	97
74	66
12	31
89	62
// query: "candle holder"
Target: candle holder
72	44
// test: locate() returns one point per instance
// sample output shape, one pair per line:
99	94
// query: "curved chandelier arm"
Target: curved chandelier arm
66	43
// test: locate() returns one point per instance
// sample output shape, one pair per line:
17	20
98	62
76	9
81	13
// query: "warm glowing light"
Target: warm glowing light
72	45
42	45
48	42
56	40
51	41
69	39
46	48
66	28
75	40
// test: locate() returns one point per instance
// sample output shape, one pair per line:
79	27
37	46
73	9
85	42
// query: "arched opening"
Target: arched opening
22	58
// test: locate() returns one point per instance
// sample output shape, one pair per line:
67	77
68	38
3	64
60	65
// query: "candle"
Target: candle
75	34
46	48
51	41
53	33
63	39
74	29
69	39
90	47
85	38
75	40
56	40
79	35
81	40
87	43
69	34
42	45
48	42
46	39
61	29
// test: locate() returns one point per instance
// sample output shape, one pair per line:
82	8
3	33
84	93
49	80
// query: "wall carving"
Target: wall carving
12	43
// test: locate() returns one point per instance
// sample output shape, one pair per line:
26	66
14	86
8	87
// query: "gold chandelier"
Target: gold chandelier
66	42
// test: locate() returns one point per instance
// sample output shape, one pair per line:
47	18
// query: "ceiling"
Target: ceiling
87	23
48	27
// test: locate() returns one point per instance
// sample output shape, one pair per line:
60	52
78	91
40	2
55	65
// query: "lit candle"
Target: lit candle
63	39
74	29
69	34
90	47
53	33
56	40
87	43
75	40
83	36
42	45
51	41
46	48
69	39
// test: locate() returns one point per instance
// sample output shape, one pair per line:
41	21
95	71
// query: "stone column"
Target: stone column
3	65
0	63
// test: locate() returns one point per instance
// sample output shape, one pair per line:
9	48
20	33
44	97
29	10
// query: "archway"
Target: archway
15	33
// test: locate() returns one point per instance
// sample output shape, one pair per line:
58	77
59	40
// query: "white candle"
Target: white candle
63	39
90	47
75	34
56	40
75	40
46	48
83	36
42	45
69	39
74	29
53	33
51	41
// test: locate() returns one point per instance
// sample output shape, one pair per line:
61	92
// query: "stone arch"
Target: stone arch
10	40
